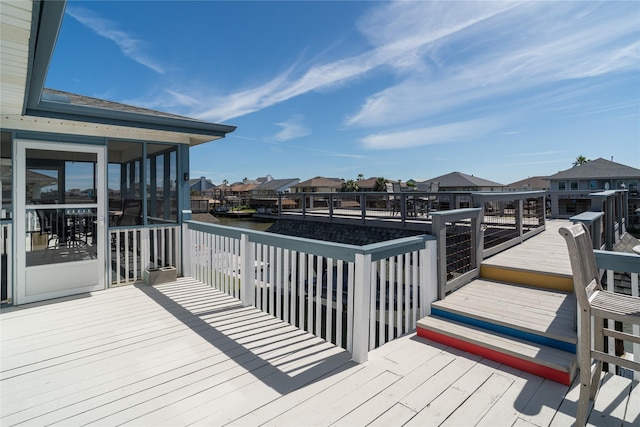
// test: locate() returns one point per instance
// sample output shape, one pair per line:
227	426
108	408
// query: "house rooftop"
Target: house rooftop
533	182
598	169
459	179
320	181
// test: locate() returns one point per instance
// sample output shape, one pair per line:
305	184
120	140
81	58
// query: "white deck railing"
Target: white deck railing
620	274
357	297
133	249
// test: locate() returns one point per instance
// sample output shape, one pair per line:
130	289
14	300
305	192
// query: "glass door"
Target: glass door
60	227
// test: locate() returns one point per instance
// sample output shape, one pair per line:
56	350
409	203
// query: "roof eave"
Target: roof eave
46	22
104	116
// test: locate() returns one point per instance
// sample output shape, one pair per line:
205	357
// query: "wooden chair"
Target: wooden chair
594	301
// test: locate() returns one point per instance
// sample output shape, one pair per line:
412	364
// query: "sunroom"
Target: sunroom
93	192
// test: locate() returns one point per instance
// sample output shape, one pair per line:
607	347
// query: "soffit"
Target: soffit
15	30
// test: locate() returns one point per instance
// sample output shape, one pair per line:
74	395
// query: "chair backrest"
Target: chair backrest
586	279
396	187
434	186
131	213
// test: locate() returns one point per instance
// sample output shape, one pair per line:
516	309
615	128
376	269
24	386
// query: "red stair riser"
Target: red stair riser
524	365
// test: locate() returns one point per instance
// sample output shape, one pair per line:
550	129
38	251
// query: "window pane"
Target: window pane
124	178
161	174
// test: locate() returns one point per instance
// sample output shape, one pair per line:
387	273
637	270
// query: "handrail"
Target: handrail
357	297
335	250
453	278
617	261
629	265
593	222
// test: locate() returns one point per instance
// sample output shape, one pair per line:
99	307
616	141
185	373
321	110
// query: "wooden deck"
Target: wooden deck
183	353
544	253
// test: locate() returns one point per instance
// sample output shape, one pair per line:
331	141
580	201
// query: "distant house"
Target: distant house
458	181
367	184
273	187
569	189
533	183
241	193
318	184
264	197
201	186
202	192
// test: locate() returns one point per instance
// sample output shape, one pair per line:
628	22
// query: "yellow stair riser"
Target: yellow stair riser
527	278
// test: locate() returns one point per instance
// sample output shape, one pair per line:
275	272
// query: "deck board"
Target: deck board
183	353
543	253
523	307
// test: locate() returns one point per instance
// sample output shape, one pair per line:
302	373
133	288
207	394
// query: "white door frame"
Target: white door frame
72	277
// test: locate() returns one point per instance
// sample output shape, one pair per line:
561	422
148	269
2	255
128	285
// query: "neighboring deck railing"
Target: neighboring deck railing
357	297
134	249
620	274
613	205
6	255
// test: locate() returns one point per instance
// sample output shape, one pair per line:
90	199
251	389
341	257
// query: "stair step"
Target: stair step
526	277
545	361
538	315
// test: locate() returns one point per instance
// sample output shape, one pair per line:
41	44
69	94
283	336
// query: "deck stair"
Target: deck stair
527	322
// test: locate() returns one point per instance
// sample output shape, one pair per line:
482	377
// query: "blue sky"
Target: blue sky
404	90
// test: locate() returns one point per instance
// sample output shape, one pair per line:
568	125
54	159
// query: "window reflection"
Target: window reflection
54	177
162	200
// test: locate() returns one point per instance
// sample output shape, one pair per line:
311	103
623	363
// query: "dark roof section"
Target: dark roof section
459	179
201	184
274	184
533	182
320	181
69	106
598	169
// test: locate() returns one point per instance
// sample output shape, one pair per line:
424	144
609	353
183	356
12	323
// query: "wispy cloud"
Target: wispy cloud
539	44
127	42
292	128
430	135
396	53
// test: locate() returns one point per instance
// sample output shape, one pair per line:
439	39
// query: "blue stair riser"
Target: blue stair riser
512	332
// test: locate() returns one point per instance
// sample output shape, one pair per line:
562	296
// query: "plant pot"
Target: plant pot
155	276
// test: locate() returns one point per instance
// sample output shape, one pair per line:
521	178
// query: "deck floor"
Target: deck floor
185	354
543	253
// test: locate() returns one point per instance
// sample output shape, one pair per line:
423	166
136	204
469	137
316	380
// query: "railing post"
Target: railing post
363	208
477	239
439	230
428	277
519	218
330	207
610	223
186	250
361	307
304	204
247	271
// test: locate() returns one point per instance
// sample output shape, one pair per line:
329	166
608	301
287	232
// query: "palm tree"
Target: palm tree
580	160
380	184
349	185
360	177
